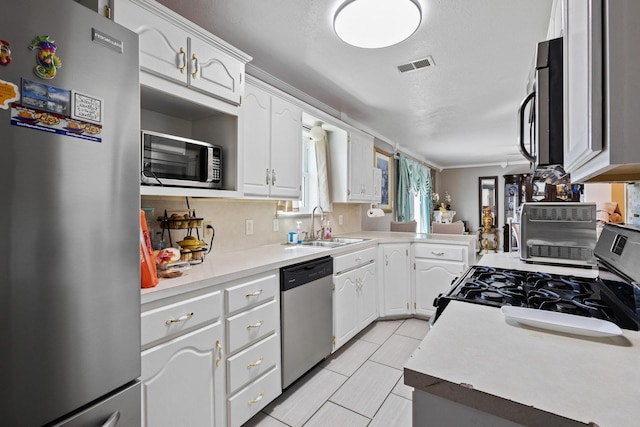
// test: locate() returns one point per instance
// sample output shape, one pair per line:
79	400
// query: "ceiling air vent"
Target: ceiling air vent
417	64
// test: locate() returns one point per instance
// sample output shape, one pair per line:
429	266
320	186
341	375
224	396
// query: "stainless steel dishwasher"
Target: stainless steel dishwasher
306	301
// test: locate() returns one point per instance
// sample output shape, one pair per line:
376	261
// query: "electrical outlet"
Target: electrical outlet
276	224
207	229
340	220
248	227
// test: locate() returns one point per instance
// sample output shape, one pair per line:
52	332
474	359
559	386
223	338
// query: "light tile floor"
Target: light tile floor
359	385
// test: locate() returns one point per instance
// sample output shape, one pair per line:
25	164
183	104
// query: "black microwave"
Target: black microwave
175	161
545	148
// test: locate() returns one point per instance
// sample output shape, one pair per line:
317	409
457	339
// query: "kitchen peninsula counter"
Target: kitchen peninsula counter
220	266
474	358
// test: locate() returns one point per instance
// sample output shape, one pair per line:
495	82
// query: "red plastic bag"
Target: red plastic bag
148	273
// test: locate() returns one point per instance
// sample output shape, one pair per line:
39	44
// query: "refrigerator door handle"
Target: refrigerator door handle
112	421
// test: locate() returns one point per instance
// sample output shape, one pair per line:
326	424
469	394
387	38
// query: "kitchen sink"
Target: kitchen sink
333	242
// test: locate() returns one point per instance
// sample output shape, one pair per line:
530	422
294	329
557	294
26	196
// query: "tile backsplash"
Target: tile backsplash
228	217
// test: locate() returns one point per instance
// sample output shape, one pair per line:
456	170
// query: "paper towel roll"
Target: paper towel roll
375	213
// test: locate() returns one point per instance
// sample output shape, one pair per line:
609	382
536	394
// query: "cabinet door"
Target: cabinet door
345	316
256	130
431	279
367	295
183	380
286	149
163	46
582	57
360	167
377	185
213	72
395	279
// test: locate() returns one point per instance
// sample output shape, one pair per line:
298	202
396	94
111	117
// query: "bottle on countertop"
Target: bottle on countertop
299	232
327	230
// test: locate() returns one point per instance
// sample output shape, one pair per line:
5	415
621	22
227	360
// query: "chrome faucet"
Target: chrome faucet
313	230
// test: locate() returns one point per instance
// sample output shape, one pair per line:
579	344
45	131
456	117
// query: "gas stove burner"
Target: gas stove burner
491	296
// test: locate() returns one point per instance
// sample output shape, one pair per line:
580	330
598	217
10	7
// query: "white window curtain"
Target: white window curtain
324	199
413	178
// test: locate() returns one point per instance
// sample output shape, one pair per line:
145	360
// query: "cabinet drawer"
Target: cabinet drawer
250	400
354	259
249	293
169	320
251	325
249	364
442	252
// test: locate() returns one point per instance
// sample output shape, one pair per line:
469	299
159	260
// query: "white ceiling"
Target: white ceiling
460	112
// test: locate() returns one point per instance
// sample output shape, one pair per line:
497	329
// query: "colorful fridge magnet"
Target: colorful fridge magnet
48	61
8	93
5	53
45	97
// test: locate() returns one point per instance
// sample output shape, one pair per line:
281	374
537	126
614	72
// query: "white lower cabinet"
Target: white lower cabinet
354	303
183	380
252	318
395	279
433	278
355	294
435	268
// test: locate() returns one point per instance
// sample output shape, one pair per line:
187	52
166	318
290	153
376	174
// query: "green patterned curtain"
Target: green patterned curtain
413	178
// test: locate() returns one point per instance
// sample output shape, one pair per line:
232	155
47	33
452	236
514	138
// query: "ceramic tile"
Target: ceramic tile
380	331
336	416
365	390
395	351
395	411
403	390
350	357
300	401
414	328
263	420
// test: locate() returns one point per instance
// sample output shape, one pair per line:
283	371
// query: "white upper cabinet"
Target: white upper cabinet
602	92
351	159
272	135
582	51
179	51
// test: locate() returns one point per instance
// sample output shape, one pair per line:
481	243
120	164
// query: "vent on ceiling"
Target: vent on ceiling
417	64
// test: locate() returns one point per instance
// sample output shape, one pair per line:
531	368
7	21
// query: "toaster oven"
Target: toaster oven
558	233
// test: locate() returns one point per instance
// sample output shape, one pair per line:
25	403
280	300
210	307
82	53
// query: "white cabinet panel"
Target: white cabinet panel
183	380
252	325
252	292
432	278
395	280
169	320
272	134
250	400
252	362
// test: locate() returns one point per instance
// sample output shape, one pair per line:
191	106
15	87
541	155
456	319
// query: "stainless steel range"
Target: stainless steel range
613	296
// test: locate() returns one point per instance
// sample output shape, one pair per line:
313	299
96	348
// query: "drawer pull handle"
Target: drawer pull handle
256	363
257	399
437	253
179	319
255	325
254	294
219	348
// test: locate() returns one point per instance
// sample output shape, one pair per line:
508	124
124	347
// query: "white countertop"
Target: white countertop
475	357
220	267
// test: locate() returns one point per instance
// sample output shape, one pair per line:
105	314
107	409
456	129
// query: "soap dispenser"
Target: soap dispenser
299	232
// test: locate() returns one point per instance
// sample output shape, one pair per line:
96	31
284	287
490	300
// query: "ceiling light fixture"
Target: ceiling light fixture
377	23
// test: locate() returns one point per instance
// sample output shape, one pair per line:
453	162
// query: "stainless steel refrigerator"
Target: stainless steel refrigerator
69	217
